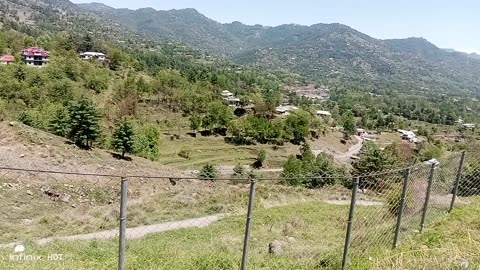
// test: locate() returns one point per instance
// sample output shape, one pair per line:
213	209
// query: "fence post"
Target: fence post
427	196
350	222
248	225
123	224
402	207
457	182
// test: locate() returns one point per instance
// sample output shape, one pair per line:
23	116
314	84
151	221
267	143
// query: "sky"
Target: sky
446	23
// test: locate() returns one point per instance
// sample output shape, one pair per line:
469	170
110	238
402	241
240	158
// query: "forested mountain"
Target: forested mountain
323	52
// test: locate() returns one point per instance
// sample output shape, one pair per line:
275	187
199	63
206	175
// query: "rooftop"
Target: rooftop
7	58
35	51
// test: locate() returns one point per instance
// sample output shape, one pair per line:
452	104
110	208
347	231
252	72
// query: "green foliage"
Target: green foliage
217	116
83	127
59	125
26	118
261	157
123	138
430	151
311	171
208	172
348	122
185	153
147	141
195	122
297	125
373	159
469	184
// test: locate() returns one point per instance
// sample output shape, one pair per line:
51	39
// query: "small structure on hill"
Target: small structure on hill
6	59
285	109
468	126
93	56
35	56
324	114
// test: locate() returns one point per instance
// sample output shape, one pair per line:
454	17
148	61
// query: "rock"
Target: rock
464	264
22	155
291	239
276	247
12	124
65	198
74	206
27	221
29	192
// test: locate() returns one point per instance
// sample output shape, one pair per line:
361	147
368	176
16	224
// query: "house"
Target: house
226	94
286	109
324	114
232	101
93	55
468	126
6	59
35	56
459	121
409	136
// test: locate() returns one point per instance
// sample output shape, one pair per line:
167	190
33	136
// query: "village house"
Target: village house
35	56
286	109
324	114
468	126
6	59
93	55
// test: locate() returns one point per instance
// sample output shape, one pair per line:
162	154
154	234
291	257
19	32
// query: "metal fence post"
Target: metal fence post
350	222
123	224
457	182
408	172
427	196
248	225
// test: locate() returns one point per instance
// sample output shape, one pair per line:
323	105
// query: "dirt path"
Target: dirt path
352	151
131	233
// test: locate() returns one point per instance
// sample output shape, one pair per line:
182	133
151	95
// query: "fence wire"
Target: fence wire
204	222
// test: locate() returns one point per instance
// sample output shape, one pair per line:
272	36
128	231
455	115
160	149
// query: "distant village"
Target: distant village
38	57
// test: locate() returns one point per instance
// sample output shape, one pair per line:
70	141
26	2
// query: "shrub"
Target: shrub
185	153
123	138
209	171
147	140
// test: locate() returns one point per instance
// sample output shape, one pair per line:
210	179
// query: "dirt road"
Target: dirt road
131	233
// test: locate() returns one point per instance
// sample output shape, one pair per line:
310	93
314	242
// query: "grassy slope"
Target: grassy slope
317	230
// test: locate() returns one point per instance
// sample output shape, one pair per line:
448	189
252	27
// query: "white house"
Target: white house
409	135
226	94
468	126
93	55
324	114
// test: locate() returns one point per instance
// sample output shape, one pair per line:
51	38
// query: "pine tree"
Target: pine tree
84	128
123	138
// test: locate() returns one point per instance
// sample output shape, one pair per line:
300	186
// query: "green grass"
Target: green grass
218	246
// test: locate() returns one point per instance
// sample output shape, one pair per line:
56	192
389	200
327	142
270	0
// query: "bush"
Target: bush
469	184
261	157
147	140
185	153
209	171
123	138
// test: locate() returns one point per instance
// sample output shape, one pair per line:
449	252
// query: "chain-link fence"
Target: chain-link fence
255	221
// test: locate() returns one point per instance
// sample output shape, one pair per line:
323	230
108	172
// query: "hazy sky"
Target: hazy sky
446	23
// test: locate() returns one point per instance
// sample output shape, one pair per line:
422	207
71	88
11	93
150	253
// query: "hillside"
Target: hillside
323	52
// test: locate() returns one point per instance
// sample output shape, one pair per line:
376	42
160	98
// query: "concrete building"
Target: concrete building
93	56
35	56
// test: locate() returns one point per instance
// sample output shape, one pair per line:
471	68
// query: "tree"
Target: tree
348	124
59	125
297	124
84	128
123	138
195	123
373	160
261	157
209	171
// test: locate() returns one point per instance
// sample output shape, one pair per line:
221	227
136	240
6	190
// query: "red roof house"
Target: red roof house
6	59
35	56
